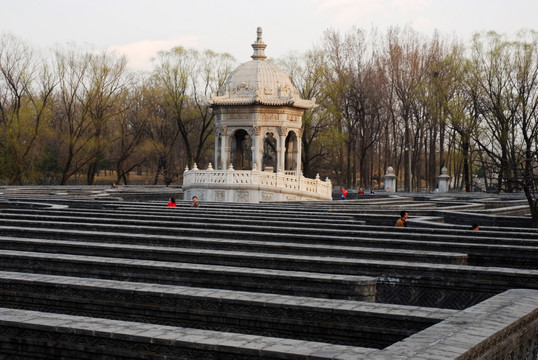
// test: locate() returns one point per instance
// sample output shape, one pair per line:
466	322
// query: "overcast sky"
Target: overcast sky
139	28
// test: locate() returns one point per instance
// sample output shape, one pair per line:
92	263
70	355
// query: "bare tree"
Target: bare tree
492	65
454	98
130	146
404	64
72	120
26	88
306	72
211	72
104	91
186	79
351	70
525	84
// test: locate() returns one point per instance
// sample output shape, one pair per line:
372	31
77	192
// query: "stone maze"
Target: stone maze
96	273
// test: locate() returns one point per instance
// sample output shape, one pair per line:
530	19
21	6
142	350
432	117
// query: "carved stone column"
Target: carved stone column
281	148
298	168
224	148
216	162
257	149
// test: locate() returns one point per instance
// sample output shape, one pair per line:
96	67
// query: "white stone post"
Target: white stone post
390	180
443	180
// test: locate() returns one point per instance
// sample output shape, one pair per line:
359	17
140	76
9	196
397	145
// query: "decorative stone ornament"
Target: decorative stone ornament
390	180
443	180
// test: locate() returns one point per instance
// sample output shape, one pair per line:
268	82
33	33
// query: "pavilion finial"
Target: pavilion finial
259	47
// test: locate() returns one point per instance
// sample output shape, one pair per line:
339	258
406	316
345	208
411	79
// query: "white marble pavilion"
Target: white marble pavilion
258	118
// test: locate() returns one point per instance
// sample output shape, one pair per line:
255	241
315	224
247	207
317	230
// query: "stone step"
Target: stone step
332	286
333	321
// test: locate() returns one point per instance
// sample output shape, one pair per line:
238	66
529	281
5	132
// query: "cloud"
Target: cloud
410	5
347	11
421	23
141	53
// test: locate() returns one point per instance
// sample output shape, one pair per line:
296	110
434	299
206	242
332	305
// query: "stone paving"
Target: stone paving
87	273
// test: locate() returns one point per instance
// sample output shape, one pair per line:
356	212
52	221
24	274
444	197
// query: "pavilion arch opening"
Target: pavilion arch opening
290	158
241	150
269	152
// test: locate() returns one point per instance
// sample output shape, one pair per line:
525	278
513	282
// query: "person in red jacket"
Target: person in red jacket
343	192
172	202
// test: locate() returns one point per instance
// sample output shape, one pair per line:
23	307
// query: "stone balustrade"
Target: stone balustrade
253	185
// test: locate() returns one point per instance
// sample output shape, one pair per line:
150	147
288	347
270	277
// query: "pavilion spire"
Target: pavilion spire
259	47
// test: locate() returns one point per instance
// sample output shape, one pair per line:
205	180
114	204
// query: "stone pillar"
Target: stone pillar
225	155
216	162
390	180
299	151
257	148
281	150
443	180
224	148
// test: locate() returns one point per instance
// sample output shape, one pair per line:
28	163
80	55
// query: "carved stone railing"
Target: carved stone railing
287	181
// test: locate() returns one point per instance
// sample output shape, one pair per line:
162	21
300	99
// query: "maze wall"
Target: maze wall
115	274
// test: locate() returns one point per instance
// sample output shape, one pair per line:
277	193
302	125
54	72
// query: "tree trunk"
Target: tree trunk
466	173
348	165
533	206
92	171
